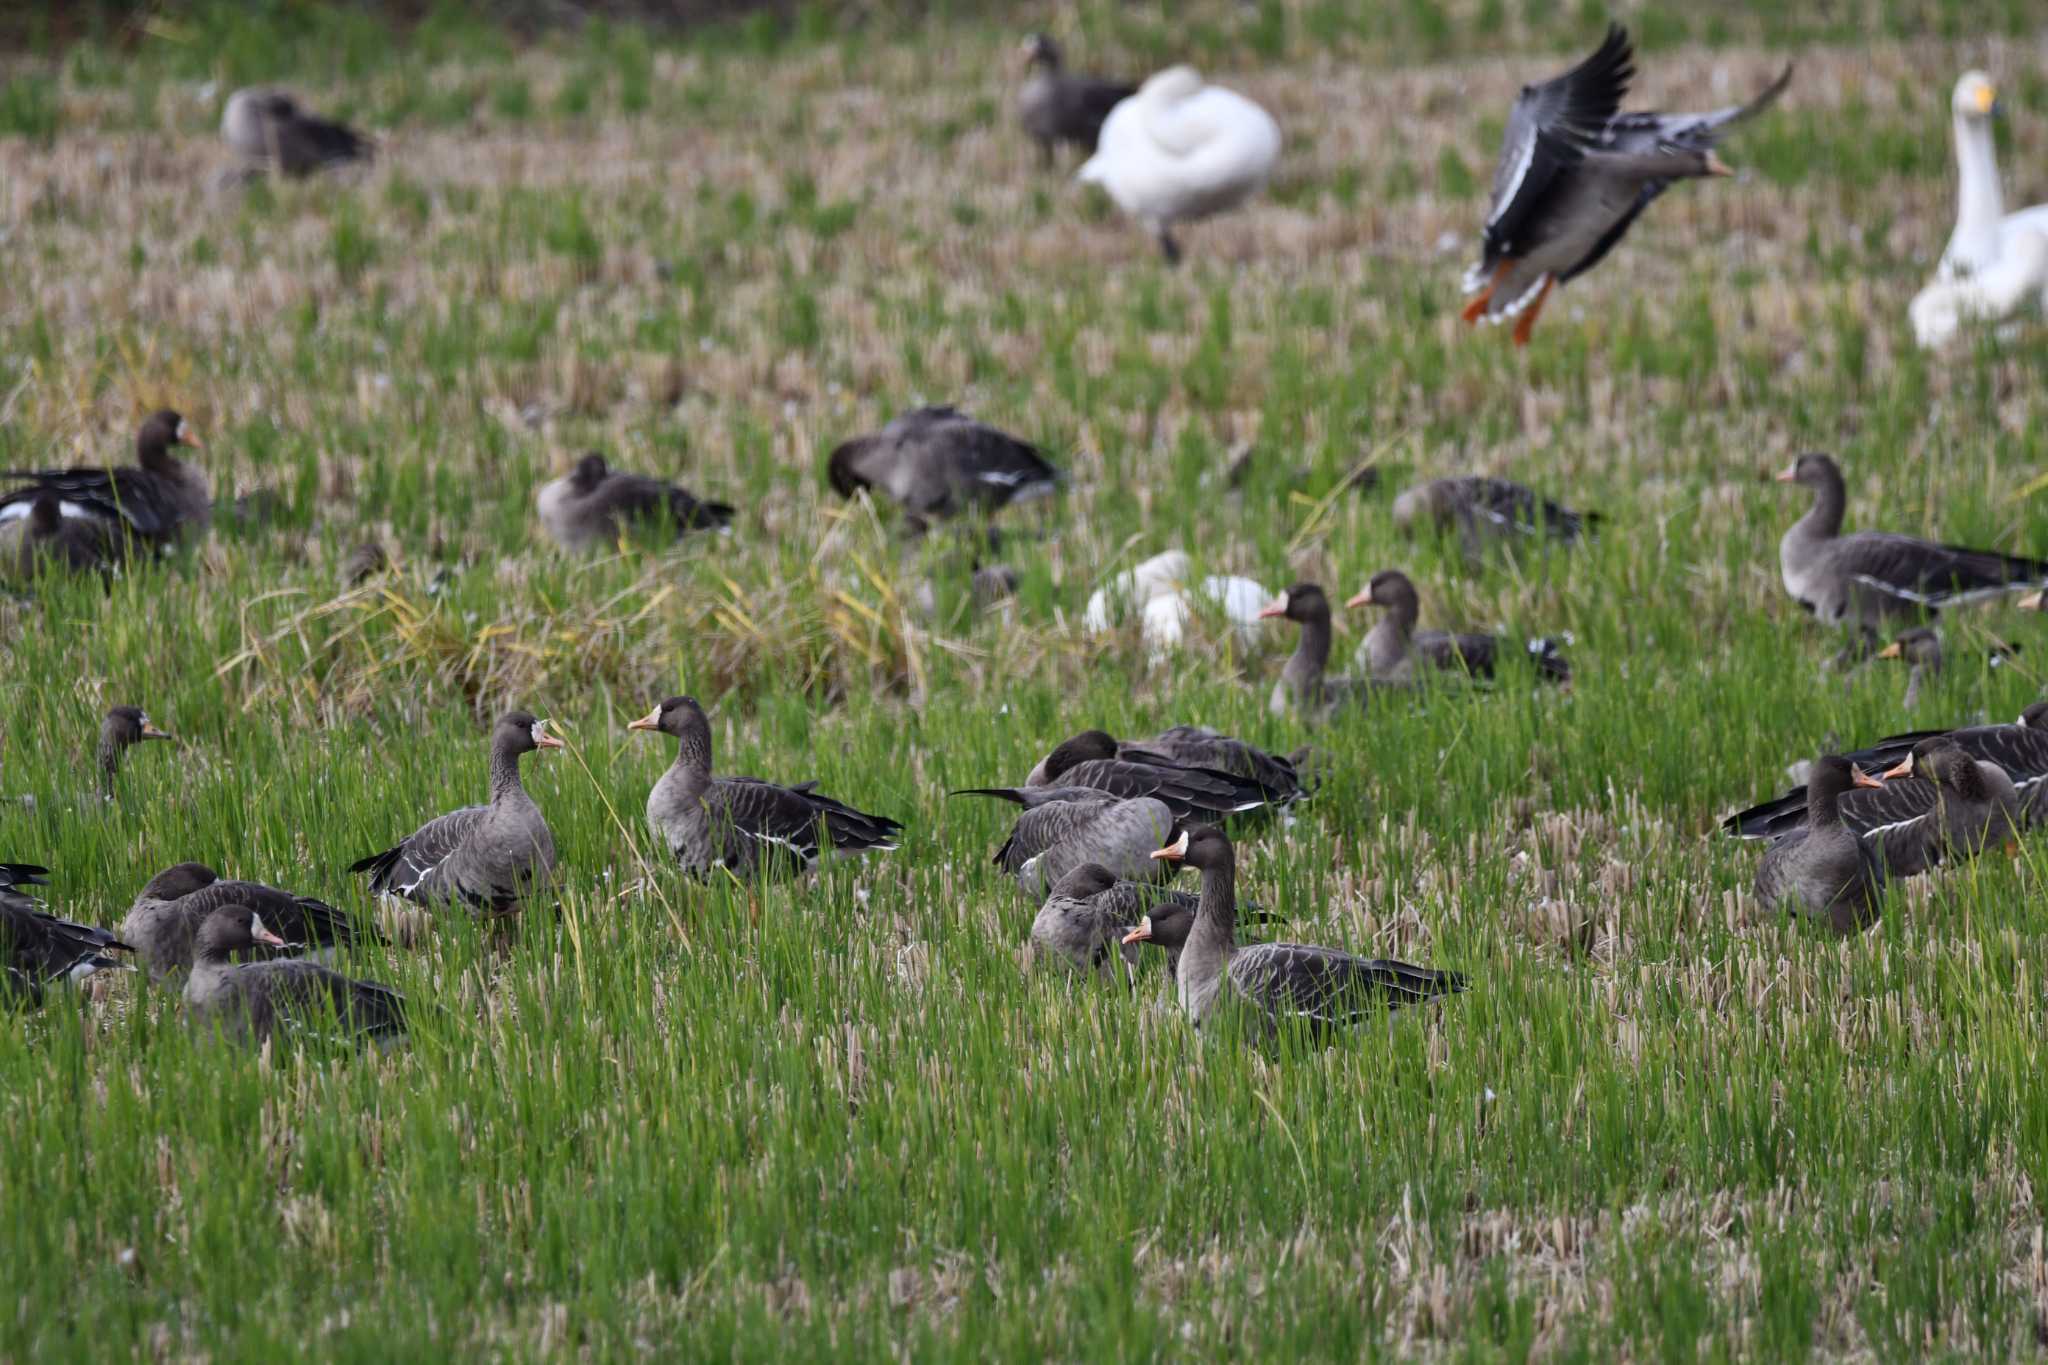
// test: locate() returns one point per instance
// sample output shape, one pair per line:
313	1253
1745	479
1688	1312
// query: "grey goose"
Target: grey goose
38	948
1574	175
1090	914
152	501
1970	803
1057	106
1199	746
165	918
1093	758
1063	827
1481	510
744	825
123	729
594	504
257	1001
1322	988
266	126
1822	869
1920	649
937	462
48	539
490	858
1393	647
1305	686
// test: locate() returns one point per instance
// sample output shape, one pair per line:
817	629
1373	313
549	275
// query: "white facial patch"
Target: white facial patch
539	731
256	925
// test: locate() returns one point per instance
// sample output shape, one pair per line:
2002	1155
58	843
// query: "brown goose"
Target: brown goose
153	500
1392	648
1574	175
1305	686
1868	578
1063	827
1482	510
266	125
169	910
742	824
1055	106
123	729
1822	869
37	948
47	540
594	504
364	563
491	858
1093	758
937	462
1322	987
256	1001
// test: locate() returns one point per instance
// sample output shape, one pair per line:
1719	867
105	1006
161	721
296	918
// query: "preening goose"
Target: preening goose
1304	686
1324	988
1392	648
1574	175
48	539
491	858
1985	235
1868	578
266	125
1181	150
37	948
153	500
594	504
123	729
937	462
255	1001
1482	510
1056	106
167	913
742	824
1822	869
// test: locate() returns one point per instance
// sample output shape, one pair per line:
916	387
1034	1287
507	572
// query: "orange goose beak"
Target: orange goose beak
1142	932
1361	598
1903	768
1864	779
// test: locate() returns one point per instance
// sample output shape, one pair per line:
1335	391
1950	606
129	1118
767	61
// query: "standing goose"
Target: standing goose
1056	106
1985	234
742	824
153	500
1393	646
1483	509
266	125
256	1001
1063	827
37	948
594	504
1304	686
937	462
167	913
1867	578
1325	988
491	857
47	539
1822	869
123	729
1574	175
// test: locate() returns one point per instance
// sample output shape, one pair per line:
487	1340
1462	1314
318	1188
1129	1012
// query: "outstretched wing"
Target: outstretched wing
1549	130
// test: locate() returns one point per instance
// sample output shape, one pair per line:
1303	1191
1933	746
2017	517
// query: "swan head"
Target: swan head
1174	83
1976	97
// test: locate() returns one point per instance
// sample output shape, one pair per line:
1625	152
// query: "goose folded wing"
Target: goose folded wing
306	142
130	495
415	867
1332	987
309	996
979	454
1548	131
783	822
1040	827
1932	574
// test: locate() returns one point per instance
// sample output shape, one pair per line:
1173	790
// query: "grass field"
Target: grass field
841	1118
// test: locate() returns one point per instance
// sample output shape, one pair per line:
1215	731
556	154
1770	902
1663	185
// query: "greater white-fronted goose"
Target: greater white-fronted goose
1305	687
1973	803
1064	827
153	500
742	824
364	563
1090	914
46	539
37	948
1482	510
1322	987
266	125
1181	150
1057	106
255	1001
168	911
123	729
1920	648
1868	578
1392	647
1198	746
1574	175
490	857
1985	234
594	504
937	462
1093	758
1167	919
1822	869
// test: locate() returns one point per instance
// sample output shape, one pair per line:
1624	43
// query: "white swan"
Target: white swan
2008	284
1155	589
1179	150
1984	230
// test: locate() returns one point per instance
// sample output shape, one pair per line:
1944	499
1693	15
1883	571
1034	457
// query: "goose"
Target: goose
47	538
1482	510
1391	648
1181	150
258	1001
1324	988
1574	175
1985	234
1973	804
152	501
742	824
266	125
1920	648
1063	827
364	563
1198	746
1822	869
1166	595
1093	758
1089	911
1169	921
491	858
123	729
1304	685
1867	578
167	913
2018	277
37	948
594	505
1056	106
937	462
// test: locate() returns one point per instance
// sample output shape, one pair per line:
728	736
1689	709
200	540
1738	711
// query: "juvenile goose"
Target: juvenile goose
1304	686
1482	510
492	857
1868	578
256	1001
1063	827
37	948
937	462
266	125
1056	106
123	729
1574	175
594	504
742	824
1985	234
1392	648
1325	988
1822	869
167	913
153	500
46	539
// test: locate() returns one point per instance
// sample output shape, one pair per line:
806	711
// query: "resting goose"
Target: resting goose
47	539
1323	987
1091	913
1574	175
1055	106
937	462
742	824
123	729
1063	827
1972	803
491	858
37	948
256	1001
1304	686
1093	758
266	125
1985	234
168	911
1180	150
1391	648
1484	509
594	505
1198	746
153	500
1870	577
1823	869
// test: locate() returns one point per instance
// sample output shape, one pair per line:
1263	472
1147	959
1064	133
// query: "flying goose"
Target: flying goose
256	1001
153	500
1304	686
1574	175
266	125
1181	150
168	911
594	504
37	948
1392	647
1822	869
47	538
491	857
1867	578
1985	234
742	824
1056	106
1323	987
124	728
1482	510
937	462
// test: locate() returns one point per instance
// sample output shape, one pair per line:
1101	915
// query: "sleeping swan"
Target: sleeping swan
1179	150
1992	294
1984	230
